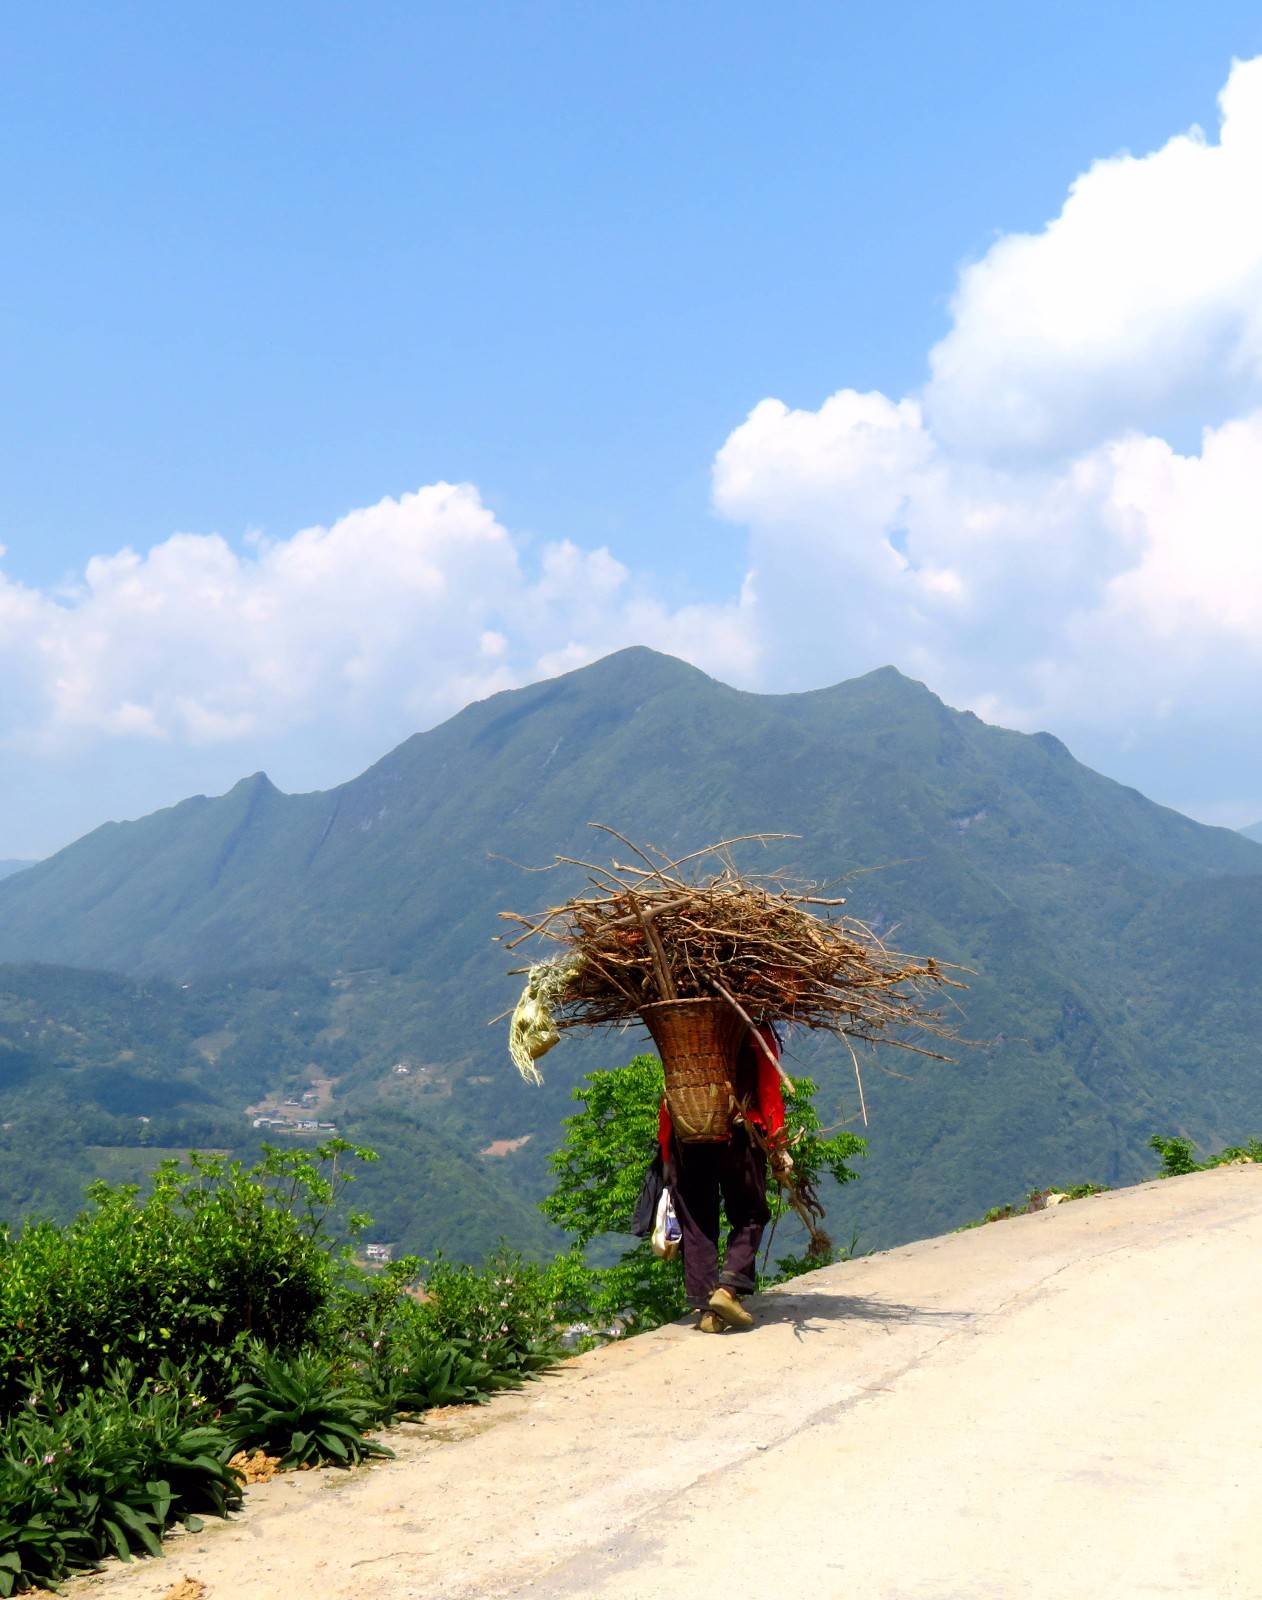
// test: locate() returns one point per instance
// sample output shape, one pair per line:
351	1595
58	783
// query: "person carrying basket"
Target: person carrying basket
728	1175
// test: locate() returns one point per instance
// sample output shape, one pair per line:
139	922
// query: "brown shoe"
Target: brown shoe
725	1305
711	1322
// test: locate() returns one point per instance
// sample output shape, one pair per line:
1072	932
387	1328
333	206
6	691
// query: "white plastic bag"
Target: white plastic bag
667	1234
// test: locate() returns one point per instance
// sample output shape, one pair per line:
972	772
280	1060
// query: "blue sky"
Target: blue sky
267	267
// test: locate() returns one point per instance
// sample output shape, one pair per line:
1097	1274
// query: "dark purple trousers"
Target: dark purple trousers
732	1173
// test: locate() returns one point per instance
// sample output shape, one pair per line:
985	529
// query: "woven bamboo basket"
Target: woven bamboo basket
698	1042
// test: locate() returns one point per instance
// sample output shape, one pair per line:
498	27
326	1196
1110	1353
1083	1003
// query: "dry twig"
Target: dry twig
775	950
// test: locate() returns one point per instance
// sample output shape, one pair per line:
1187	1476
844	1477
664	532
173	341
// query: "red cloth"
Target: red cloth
767	1112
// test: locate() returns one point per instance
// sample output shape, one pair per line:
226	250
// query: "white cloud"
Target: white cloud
849	462
394	614
1197	523
1140	303
1022	534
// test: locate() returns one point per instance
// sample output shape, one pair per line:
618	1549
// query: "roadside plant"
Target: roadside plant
420	1372
296	1408
1176	1155
287	1346
216	1254
503	1313
105	1473
466	1333
1177	1158
1035	1200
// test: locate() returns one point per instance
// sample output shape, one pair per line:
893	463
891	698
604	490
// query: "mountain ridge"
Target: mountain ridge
618	689
1064	891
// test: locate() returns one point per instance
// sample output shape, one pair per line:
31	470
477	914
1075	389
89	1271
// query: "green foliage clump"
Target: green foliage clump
151	1338
599	1168
421	1372
601	1164
106	1473
1176	1155
471	1332
216	1254
504	1312
296	1408
1177	1158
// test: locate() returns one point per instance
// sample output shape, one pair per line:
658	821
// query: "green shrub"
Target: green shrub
1235	1154
503	1313
1176	1155
1035	1200
288	1347
296	1408
431	1374
419	1371
1177	1159
475	1330
105	1474
215	1255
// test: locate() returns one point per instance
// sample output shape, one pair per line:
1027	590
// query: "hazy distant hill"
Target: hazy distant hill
7	867
1115	941
1255	832
102	1075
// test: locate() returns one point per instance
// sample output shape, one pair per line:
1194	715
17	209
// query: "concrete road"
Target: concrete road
1064	1405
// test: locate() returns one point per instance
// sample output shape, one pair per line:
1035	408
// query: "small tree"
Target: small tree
600	1167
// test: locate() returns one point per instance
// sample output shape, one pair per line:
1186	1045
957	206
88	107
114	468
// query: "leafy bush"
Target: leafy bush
503	1313
1237	1155
104	1440
431	1374
472	1331
1176	1155
1177	1159
415	1370
297	1409
216	1254
105	1474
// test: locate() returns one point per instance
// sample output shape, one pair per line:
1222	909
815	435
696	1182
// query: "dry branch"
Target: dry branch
774	949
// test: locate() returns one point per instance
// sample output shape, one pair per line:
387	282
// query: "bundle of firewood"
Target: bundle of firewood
773	949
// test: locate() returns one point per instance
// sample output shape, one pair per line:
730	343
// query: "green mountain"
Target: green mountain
7	867
1114	941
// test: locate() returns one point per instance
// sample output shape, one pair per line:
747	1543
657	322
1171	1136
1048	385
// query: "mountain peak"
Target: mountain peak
648	667
890	680
257	783
639	669
889	673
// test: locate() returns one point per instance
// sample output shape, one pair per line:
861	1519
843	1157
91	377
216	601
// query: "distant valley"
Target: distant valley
205	965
